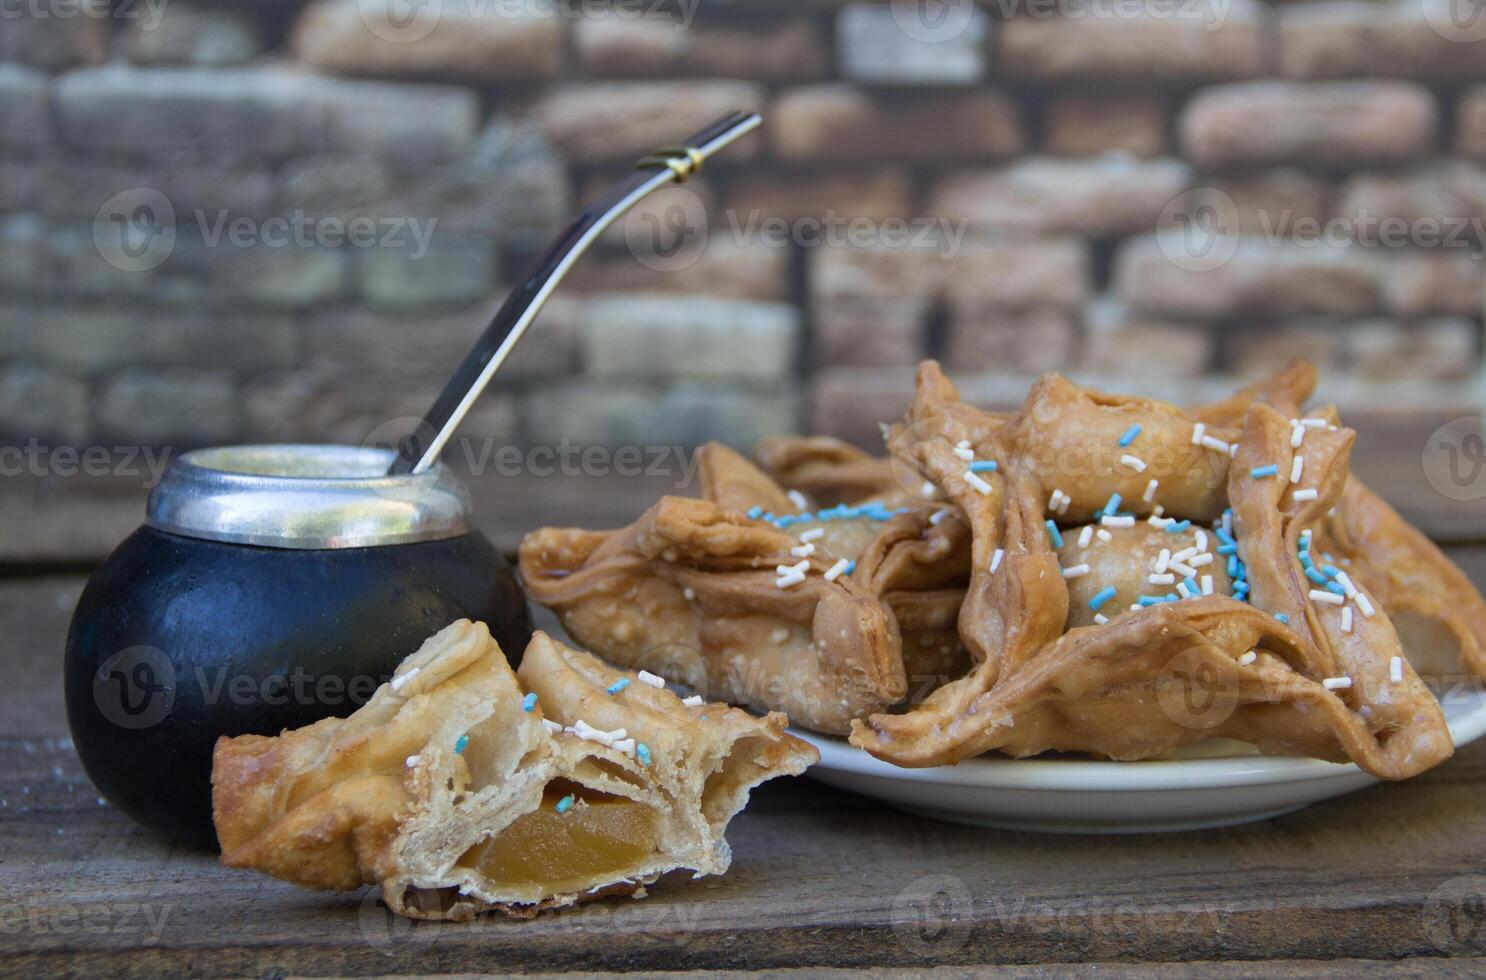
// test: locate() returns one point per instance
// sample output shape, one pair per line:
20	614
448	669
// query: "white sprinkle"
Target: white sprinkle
1109	520
1163	560
837	569
1158	522
974	479
1134	462
1248	658
1297	466
928	489
1150	491
786	581
401	680
1183	591
413	760
1228	521
1346	619
586	731
1207	585
1337	683
798	499
939	515
1233	451
1197	561
1052	502
1165	578
965	453
1395	670
551	725
1100	618
1136	607
1314	423
1346	581
1199	432
1063	507
1183	569
695	701
1327	598
996	558
1201	538
625	745
798	569
1297	434
803	551
1310	494
1216	444
1158	510
689	593
1085	535
1075	571
1364	603
1104	535
963	444
654	680
814	534
1184	554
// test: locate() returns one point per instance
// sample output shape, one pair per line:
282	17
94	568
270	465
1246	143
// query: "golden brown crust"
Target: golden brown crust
400	793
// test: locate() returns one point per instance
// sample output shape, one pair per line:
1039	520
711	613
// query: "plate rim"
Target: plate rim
1089	775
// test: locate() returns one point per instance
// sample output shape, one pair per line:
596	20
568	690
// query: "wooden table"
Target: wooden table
820	878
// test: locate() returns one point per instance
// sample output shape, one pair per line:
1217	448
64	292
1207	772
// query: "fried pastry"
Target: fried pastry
463	786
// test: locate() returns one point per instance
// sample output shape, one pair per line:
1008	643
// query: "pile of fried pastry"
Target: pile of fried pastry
1093	573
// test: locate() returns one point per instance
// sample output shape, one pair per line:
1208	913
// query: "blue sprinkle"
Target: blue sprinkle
1223	535
1113	505
1228	549
1151	600
1336	587
1305	560
1178	527
1053	532
1260	472
769	516
1241	587
1101	597
618	685
1315	576
529	702
1233	566
755	512
851	566
460	744
1331	570
1130	435
642	752
565	804
1191	584
785	521
983	466
1282	618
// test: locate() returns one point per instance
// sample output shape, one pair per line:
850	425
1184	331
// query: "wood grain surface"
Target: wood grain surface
820	878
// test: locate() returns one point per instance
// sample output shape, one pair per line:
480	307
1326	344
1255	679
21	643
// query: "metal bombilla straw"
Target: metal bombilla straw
669	164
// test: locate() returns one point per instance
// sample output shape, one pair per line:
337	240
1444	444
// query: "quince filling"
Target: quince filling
561	849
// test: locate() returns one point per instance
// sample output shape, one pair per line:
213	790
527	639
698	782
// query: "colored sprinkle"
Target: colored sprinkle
1191	584
565	804
1130	434
1260	472
1178	527
1282	618
1336	587
1315	576
460	744
755	512
1054	533
1151	600
1113	505
529	703
1101	597
617	686
983	466
642	752
1228	549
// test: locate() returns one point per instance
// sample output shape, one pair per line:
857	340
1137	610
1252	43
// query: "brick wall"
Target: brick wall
235	221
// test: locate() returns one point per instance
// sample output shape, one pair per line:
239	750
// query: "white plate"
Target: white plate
1074	796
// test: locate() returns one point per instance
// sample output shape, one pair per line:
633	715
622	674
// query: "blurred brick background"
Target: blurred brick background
1158	194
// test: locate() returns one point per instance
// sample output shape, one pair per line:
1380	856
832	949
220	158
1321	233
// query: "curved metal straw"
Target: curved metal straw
667	165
